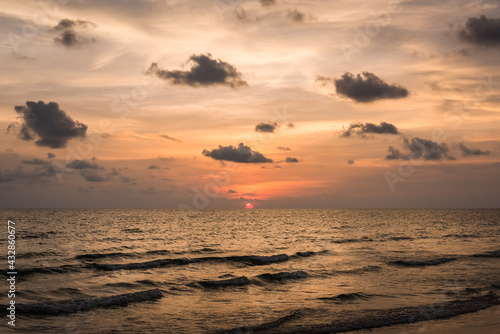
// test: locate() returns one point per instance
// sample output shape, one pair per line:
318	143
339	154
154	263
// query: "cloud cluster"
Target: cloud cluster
481	31
420	148
40	174
296	16
205	71
367	88
153	167
92	176
267	3
82	164
266	127
241	154
467	152
282	148
291	160
35	161
362	129
48	123
68	35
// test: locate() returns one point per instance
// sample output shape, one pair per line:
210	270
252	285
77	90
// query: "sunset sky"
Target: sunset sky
219	103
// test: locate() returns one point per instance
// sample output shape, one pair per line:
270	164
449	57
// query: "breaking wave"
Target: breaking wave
85	304
316	320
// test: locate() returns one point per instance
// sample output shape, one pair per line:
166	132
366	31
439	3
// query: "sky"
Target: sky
283	104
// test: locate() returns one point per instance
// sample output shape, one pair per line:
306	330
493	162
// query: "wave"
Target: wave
463	292
308	254
237	281
461	236
204	250
85	304
46	270
282	276
347	297
367	239
121	285
132	230
400	238
93	256
495	253
248	260
231	280
261	260
263	326
37	235
142	265
313	320
358	270
421	263
36	254
147	282
348	241
438	261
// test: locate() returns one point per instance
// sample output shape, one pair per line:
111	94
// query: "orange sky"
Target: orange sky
281	65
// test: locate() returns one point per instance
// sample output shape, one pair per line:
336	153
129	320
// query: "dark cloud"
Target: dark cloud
242	153
296	16
170	138
367	88
153	167
68	35
291	160
66	24
467	152
50	155
267	3
11	175
350	162
83	164
40	174
240	14
266	127
50	125
231	191
68	39
362	129
125	179
481	31
291	125
282	148
420	148
162	158
35	161
92	176
395	154
205	71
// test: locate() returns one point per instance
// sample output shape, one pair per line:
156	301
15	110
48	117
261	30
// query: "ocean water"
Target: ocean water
254	271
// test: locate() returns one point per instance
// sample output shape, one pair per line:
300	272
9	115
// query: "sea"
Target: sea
252	271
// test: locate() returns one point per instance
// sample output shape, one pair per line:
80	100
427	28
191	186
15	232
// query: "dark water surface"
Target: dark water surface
265	271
